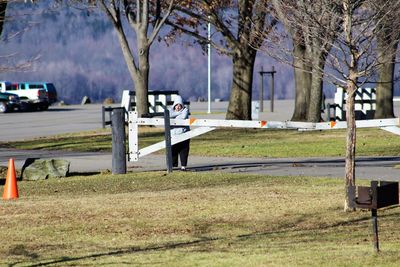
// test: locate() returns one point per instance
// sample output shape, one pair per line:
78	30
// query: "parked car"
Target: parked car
51	91
9	102
32	99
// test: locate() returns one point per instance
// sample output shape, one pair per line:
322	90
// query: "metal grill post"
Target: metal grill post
374	218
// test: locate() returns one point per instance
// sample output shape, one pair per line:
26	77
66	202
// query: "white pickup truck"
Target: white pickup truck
30	99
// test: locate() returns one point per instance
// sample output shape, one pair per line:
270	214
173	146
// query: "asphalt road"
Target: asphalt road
76	118
376	168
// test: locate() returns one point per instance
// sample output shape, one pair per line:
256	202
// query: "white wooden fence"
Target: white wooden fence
365	103
201	126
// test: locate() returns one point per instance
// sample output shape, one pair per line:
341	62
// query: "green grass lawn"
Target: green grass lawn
237	142
198	219
190	219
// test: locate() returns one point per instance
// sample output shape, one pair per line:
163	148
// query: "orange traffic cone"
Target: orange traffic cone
10	189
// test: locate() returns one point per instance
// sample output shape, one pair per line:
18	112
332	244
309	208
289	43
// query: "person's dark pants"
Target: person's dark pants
181	149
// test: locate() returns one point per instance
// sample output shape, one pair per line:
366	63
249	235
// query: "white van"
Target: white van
51	91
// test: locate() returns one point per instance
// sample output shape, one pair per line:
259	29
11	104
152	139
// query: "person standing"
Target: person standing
179	111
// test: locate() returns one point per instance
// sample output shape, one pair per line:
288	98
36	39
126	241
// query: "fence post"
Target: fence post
261	90
328	112
168	148
118	141
374	219
103	117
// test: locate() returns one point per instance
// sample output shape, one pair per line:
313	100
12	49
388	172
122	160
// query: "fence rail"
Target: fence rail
206	125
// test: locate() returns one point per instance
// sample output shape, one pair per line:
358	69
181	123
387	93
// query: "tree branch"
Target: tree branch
160	22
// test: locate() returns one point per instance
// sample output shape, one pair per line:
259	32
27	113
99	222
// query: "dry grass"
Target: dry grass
190	219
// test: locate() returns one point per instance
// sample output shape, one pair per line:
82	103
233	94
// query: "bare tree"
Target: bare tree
351	58
285	12
311	44
236	22
145	18
11	62
356	60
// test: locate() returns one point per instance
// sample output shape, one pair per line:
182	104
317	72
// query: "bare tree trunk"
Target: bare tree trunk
384	92
384	88
142	82
141	85
387	40
351	87
314	110
302	78
3	8
239	107
350	144
140	75
139	15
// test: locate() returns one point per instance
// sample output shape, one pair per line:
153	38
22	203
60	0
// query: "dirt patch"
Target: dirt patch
3	174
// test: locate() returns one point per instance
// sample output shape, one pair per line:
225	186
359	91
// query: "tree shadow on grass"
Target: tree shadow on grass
72	174
201	241
121	251
296	162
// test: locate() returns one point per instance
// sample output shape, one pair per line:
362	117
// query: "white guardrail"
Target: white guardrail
206	125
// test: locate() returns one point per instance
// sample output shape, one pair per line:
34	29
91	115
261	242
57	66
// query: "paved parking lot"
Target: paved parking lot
64	119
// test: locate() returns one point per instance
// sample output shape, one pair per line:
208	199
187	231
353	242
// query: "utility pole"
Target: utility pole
209	67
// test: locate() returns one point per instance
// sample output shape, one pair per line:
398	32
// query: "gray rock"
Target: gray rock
85	100
41	169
